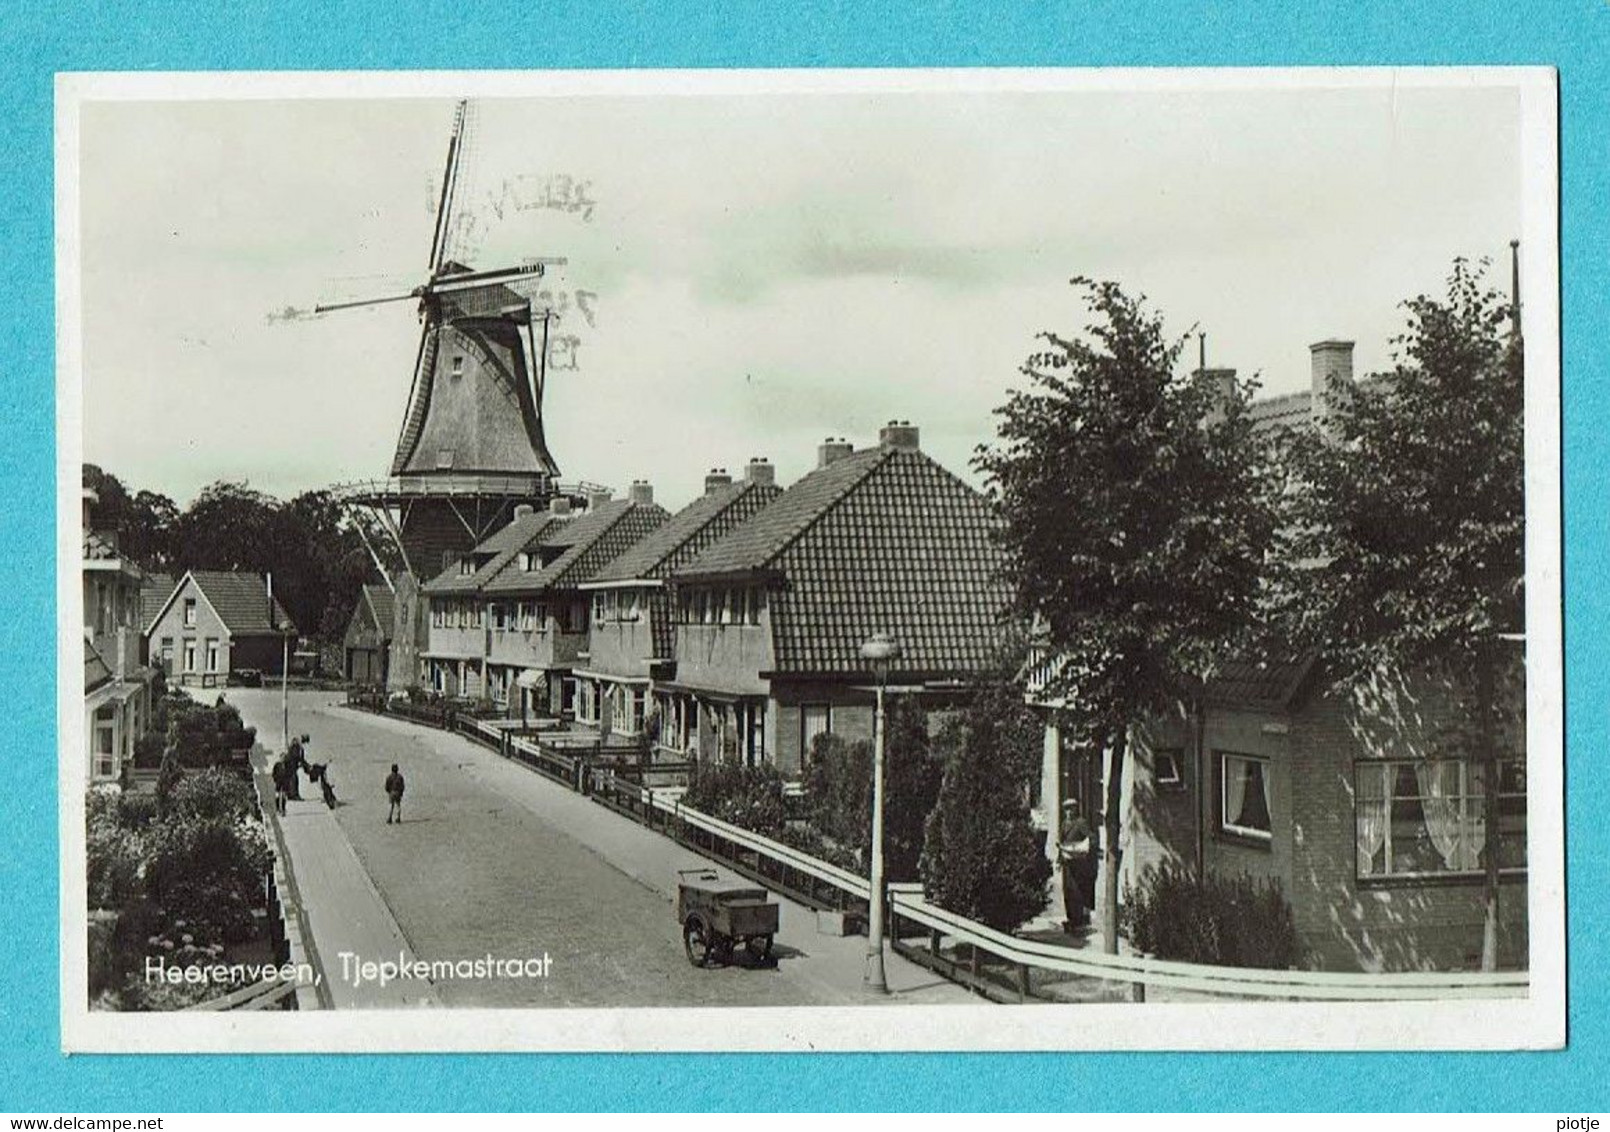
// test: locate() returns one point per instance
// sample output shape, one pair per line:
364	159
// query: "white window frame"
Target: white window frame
190	654
1169	774
1226	825
1469	804
189	612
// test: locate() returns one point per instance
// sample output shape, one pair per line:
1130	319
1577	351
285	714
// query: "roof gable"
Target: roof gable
585	545
756	544
239	599
684	535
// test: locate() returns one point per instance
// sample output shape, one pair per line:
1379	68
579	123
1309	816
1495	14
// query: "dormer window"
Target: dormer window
528	561
465	567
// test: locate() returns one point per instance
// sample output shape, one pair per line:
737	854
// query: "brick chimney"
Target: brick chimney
641	491
901	435
1332	374
760	471
524	510
1222	382
831	451
559	505
716	479
596	499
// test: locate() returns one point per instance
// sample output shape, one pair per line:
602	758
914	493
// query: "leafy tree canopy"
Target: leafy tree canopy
1410	501
1139	511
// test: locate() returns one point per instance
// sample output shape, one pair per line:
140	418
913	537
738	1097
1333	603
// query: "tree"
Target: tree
1139	513
982	856
838	789
1411	502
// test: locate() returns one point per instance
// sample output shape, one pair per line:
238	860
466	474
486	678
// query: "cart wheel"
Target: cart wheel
696	939
759	947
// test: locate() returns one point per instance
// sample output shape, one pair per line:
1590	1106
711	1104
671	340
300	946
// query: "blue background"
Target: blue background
43	38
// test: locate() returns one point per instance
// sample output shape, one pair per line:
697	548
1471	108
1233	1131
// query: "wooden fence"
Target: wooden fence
997	965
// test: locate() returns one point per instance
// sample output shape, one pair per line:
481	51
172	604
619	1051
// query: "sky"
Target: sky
756	272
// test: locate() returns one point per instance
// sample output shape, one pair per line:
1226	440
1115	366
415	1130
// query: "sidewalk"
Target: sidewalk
345	914
833	966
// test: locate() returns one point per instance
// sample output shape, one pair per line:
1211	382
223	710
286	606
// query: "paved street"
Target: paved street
494	860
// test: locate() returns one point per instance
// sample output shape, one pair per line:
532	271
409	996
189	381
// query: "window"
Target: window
444	457
1166	770
189	611
190	655
500	617
1428	817
105	747
212	654
466	567
752	606
1244	797
814	720
458	365
528	561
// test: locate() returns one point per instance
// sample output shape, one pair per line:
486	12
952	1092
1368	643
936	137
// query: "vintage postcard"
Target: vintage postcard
810	560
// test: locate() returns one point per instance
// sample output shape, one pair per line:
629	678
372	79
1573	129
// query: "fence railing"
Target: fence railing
907	901
1019	963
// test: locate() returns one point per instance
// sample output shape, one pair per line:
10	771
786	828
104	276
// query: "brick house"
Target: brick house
632	637
770	619
366	644
117	682
1364	806
216	622
493	619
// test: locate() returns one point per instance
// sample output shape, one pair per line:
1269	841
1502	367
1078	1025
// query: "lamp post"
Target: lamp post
878	651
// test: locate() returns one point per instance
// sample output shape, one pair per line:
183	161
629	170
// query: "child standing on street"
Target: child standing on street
394	790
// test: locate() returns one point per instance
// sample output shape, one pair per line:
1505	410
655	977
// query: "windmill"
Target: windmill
471	447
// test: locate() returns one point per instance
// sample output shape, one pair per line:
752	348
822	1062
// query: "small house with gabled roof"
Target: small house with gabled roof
631	640
771	618
216	622
366	644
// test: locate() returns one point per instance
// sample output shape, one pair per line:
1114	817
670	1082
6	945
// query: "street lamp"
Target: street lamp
878	651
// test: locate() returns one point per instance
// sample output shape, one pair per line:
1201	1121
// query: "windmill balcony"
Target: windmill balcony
453	484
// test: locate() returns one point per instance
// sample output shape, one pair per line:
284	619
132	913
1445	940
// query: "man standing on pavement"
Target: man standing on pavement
394	790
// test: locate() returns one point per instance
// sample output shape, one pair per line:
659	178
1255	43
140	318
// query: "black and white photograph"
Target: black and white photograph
835	560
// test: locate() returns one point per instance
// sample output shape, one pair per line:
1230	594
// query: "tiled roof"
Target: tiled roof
1294	410
883	540
155	590
503	545
1271	684
681	537
383	603
754	545
1291	409
241	601
586	544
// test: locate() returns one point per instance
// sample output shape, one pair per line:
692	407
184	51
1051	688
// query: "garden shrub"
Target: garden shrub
750	797
1227	921
982	857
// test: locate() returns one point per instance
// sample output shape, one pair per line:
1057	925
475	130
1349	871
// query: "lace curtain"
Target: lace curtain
1370	807
1453	820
